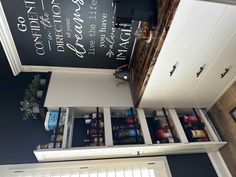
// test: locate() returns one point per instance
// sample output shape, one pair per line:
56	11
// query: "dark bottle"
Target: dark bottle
201	139
130	120
125	127
93	131
167	140
88	141
94	124
128	132
164	123
91	140
88	121
156	123
129	112
101	124
115	127
190	119
115	135
158	113
129	140
136	125
196	125
102	144
163	133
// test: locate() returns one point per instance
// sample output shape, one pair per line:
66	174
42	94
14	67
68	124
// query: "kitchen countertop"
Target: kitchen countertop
146	54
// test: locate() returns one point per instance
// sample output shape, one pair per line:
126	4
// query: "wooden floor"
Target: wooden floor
226	126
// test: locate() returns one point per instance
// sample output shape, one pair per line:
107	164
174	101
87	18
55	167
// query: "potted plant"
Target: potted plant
42	81
29	105
35	85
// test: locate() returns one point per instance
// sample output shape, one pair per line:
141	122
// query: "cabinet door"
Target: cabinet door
191	27
218	39
219	77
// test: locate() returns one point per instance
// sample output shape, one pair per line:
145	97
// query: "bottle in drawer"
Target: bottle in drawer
190	119
129	140
94	141
160	129
159	113
128	132
201	140
194	128
196	134
167	140
163	133
160	122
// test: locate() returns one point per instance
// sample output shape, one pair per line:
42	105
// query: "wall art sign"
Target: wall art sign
68	33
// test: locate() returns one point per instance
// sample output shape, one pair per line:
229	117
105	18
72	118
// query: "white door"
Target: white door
192	26
219	77
219	37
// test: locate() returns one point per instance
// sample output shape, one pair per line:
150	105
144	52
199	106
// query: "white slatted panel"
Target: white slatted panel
140	170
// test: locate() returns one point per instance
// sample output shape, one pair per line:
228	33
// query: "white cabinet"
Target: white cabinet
220	76
201	40
155	137
203	84
175	59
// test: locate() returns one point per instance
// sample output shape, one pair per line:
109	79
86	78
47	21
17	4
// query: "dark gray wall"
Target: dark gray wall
18	138
192	165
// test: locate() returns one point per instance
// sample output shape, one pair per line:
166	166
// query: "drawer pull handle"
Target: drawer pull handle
226	71
173	70
199	72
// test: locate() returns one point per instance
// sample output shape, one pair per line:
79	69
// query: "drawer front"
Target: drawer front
219	77
207	56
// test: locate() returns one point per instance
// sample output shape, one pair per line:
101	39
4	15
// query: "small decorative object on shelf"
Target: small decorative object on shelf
124	73
45	146
144	33
51	119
